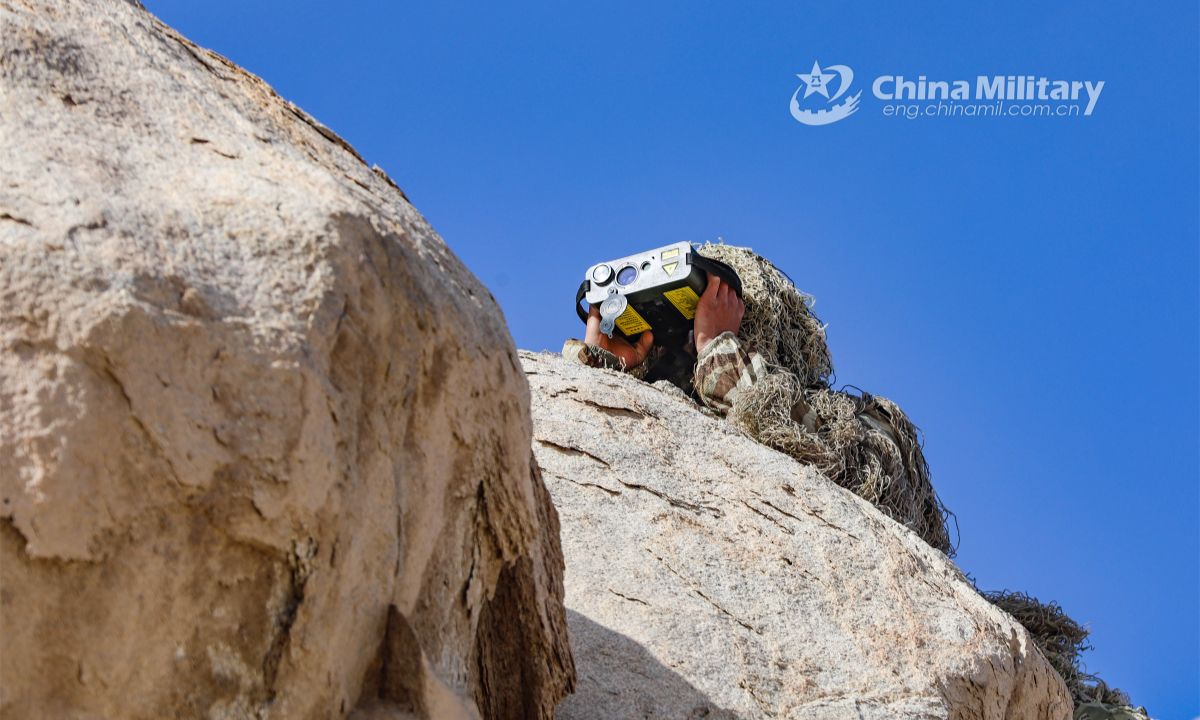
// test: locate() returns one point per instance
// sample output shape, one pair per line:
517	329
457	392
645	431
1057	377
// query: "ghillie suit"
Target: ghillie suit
863	443
1061	641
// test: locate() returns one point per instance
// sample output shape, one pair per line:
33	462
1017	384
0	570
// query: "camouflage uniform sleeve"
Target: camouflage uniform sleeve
724	368
597	357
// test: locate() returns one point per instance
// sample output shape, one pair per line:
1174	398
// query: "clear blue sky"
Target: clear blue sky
1026	288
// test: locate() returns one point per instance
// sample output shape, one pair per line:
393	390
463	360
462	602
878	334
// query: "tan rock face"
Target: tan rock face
710	576
264	441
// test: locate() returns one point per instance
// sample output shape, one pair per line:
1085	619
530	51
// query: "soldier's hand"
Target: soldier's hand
719	310
633	355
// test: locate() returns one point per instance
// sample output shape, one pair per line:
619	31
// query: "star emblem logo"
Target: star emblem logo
817	81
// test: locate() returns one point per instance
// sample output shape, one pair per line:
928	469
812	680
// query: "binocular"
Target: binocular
655	290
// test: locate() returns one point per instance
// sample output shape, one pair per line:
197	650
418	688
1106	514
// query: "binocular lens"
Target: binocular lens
627	275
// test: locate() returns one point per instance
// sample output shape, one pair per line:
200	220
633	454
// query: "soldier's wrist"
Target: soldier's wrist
723	339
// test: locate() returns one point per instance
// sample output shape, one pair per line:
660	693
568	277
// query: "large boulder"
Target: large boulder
264	441
710	576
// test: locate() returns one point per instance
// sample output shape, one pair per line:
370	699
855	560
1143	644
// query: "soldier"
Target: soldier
765	366
721	368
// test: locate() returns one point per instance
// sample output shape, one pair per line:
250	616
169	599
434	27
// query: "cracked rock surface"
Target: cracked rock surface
264	440
711	577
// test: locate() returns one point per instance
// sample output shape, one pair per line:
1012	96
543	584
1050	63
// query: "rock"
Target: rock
710	576
264	441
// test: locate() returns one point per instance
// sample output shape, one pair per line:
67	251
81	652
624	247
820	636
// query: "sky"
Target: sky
1026	288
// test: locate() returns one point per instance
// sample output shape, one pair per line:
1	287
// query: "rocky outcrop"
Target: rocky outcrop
710	576
264	441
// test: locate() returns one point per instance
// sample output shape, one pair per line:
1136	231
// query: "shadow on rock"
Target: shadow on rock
619	678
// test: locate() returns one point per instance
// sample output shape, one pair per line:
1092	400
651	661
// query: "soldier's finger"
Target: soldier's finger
714	285
592	335
643	346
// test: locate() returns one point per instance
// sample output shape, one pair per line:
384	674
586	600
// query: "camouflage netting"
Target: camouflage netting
779	322
1062	640
863	443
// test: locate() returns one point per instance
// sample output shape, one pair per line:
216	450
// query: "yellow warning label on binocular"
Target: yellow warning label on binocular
631	323
684	299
